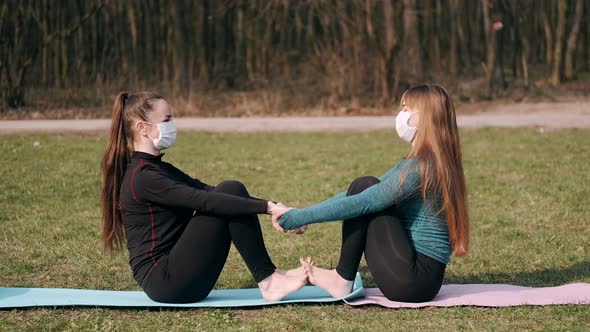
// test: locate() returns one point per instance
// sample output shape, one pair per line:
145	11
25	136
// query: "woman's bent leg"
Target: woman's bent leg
246	234
354	233
339	282
401	273
197	259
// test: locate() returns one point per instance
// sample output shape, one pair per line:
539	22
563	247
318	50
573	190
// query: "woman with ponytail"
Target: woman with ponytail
177	229
407	222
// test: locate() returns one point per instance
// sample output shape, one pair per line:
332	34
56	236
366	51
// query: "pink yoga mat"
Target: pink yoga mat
488	295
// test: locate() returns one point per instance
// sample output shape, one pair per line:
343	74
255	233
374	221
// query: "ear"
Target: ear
140	128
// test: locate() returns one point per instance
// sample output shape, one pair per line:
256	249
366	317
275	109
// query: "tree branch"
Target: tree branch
73	28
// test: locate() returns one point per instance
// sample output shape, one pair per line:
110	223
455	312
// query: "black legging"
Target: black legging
400	272
195	262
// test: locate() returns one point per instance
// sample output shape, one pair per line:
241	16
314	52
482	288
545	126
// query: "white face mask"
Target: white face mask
402	126
167	136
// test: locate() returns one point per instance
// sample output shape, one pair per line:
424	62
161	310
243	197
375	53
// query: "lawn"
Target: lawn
528	199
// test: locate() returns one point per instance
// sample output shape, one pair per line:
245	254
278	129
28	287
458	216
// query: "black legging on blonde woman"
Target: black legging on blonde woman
401	273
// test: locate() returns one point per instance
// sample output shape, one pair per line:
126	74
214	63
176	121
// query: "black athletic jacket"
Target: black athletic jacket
157	202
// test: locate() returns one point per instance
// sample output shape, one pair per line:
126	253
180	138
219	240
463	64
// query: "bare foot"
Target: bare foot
277	286
292	273
328	280
296	272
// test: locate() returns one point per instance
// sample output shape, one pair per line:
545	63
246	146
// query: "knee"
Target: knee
232	187
361	183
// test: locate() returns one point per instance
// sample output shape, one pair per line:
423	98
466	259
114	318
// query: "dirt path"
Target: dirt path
542	115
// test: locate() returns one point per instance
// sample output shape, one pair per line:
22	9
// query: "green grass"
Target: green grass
528	199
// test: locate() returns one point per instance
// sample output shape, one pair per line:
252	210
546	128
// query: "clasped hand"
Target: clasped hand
276	211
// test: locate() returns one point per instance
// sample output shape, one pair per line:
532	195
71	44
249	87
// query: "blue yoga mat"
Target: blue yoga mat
221	298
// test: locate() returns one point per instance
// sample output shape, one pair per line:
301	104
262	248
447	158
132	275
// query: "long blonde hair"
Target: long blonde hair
437	146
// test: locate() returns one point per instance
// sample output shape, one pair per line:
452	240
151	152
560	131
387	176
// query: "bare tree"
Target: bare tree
555	78
411	54
19	54
490	64
571	41
327	51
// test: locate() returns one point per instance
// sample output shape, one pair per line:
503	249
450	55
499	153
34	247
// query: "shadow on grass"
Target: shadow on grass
555	276
578	272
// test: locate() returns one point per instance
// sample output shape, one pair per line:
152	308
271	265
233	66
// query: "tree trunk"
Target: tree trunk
179	48
462	50
412	55
44	29
94	48
63	49
522	23
500	43
555	78
571	41
390	41
133	29
453	65
250	46
548	37
587	41
163	43
240	37
490	64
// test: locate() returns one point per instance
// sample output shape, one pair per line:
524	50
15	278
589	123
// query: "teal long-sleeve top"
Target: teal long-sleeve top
399	188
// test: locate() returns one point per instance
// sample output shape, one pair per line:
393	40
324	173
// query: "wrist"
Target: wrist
269	205
286	220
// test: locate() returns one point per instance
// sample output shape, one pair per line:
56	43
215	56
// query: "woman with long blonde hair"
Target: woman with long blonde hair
407	222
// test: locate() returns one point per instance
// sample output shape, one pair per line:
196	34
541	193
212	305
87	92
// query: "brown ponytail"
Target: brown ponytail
113	168
127	109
